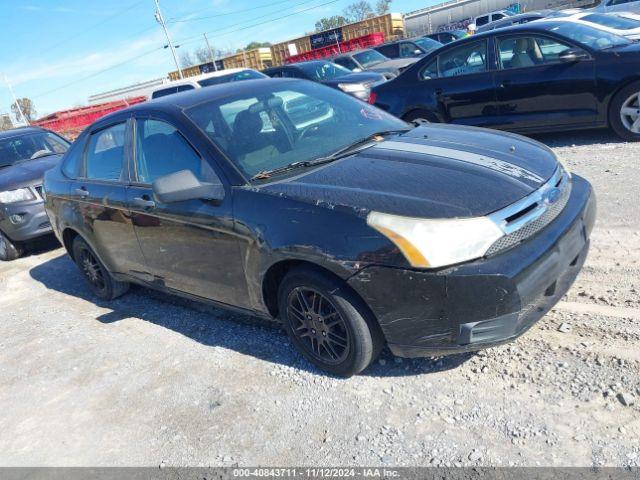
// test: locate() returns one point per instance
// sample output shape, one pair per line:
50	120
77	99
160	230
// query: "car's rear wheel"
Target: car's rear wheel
327	322
419	117
624	114
101	282
9	250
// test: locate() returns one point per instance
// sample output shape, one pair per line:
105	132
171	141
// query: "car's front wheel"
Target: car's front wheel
101	282
624	114
327	322
9	250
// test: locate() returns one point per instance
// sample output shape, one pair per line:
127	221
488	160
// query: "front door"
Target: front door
100	194
460	84
535	88
190	245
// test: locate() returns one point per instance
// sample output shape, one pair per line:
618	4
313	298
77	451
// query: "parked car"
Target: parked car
414	48
548	76
371	60
626	26
358	84
25	154
618	6
518	19
447	36
206	80
490	17
354	232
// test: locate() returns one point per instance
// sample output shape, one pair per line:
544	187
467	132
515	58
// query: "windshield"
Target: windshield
428	43
590	36
281	123
233	77
612	21
369	58
322	71
28	146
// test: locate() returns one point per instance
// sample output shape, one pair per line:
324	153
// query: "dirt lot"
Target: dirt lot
148	380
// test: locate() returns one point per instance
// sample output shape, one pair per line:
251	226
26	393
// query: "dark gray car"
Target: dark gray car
25	155
373	61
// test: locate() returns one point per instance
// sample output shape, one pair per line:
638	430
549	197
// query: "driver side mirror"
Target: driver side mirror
183	185
356	70
573	55
417	51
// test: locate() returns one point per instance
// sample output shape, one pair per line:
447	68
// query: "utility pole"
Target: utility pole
15	100
160	20
213	58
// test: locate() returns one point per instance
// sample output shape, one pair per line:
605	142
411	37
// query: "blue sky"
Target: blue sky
50	47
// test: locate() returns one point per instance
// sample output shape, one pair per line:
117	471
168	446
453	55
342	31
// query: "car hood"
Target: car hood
430	172
358	77
27	173
393	64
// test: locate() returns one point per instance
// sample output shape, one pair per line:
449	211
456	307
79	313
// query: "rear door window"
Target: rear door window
105	154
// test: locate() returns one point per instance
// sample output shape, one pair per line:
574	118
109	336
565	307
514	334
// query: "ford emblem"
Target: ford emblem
552	196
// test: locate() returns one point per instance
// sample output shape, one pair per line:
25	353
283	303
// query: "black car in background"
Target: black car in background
413	48
343	222
358	84
25	155
448	36
537	77
371	60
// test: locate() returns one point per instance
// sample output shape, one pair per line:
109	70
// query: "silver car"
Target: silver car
618	6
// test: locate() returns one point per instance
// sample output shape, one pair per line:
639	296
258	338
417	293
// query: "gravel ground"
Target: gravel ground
150	380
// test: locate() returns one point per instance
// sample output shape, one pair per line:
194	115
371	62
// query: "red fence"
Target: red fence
365	41
71	122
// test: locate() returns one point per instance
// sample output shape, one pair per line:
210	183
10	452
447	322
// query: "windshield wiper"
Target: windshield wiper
329	158
374	137
269	173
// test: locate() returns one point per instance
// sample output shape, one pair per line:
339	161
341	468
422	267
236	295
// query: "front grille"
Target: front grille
529	216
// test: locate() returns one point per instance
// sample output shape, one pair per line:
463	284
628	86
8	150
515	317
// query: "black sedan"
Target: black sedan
351	228
25	154
541	76
358	84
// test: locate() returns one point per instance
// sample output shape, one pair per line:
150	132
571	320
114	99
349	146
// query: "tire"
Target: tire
419	117
9	250
101	282
335	331
624	113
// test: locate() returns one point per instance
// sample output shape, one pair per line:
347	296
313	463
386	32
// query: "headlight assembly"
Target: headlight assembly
19	195
436	243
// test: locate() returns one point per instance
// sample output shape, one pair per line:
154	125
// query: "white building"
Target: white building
135	90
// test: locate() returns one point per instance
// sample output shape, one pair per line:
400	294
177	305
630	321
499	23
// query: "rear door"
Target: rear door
190	245
459	82
536	89
100	195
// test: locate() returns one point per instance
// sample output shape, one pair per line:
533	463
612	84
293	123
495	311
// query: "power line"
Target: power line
91	28
193	19
191	39
187	40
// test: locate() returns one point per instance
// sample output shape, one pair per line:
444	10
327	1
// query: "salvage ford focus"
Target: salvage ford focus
291	200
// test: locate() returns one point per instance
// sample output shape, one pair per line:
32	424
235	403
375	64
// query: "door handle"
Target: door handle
438	92
143	202
505	84
82	192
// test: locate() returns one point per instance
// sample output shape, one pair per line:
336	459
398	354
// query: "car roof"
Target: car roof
203	76
16	132
190	98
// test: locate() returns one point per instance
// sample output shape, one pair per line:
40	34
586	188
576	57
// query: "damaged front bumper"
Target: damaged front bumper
486	302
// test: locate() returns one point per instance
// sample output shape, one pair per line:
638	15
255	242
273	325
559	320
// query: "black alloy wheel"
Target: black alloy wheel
328	322
318	325
101	282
